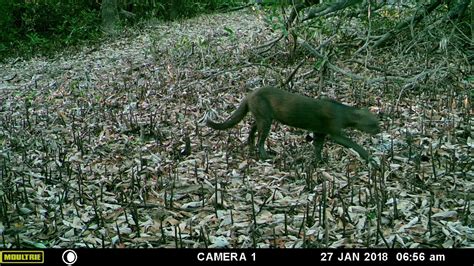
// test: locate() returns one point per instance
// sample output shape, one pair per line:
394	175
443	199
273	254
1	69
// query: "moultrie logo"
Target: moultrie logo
21	256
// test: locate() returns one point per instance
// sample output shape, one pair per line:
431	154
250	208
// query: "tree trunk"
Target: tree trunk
110	16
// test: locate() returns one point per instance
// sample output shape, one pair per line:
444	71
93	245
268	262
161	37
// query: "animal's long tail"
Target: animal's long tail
233	120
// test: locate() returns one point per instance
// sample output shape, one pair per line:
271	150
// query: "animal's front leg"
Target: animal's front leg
347	142
318	142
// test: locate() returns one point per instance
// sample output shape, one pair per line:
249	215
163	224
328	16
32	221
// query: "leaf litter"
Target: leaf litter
106	147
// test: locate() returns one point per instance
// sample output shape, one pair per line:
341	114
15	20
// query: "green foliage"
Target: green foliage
231	33
177	9
6	21
32	27
275	19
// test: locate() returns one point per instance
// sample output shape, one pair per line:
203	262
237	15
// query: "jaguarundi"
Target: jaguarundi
323	117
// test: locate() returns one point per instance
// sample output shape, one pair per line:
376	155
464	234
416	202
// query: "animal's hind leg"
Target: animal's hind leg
251	139
262	112
263	127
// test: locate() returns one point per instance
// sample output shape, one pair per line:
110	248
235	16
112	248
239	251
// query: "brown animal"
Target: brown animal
323	117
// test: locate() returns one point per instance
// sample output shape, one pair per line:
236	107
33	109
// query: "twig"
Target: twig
410	81
270	43
322	10
290	77
413	20
313	51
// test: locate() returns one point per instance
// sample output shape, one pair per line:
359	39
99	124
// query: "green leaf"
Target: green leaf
35	244
229	30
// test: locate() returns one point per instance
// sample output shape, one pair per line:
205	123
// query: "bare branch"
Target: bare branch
415	20
322	10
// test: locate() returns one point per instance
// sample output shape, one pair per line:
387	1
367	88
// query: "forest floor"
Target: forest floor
105	146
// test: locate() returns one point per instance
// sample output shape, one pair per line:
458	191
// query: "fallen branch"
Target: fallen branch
409	82
290	77
297	8
270	43
316	53
415	20
330	8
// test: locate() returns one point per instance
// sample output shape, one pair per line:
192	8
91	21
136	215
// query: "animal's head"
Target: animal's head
366	121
